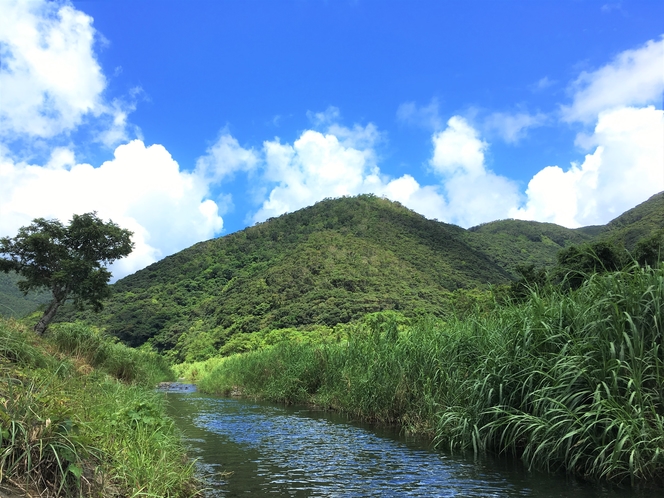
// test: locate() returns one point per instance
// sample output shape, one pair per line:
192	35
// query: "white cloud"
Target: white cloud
512	127
474	194
343	162
426	116
141	188
50	79
328	116
340	162
49	76
542	84
625	163
224	158
458	149
633	78
316	166
626	167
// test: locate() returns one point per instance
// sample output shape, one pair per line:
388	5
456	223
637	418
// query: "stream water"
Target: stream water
250	448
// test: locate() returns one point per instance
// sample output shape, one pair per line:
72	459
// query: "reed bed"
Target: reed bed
566	380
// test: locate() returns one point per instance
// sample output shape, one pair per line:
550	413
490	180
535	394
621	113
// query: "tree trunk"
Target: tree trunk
48	316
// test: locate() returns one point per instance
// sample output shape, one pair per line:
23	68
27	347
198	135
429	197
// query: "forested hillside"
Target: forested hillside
510	243
637	223
333	263
326	264
13	303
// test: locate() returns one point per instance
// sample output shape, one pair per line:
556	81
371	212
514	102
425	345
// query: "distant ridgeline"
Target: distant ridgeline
12	301
334	262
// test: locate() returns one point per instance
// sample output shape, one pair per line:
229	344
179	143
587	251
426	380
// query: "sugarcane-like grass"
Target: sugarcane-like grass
566	381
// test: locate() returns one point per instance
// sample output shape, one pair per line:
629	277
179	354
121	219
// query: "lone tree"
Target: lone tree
69	260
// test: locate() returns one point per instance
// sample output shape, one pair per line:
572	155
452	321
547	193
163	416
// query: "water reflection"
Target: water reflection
261	449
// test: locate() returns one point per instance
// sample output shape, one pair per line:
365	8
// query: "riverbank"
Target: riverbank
566	381
79	416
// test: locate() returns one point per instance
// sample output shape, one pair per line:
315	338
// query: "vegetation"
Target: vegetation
568	379
68	260
69	428
13	302
324	265
331	264
512	337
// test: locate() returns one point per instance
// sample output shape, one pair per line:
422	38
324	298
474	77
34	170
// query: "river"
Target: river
253	448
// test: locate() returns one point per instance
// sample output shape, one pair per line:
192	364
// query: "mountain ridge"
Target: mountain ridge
334	262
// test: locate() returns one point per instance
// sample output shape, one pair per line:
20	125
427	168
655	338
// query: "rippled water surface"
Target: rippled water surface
252	448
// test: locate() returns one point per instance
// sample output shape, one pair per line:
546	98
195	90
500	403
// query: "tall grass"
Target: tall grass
68	433
569	381
102	351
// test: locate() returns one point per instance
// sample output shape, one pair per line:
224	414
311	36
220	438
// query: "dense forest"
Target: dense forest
332	263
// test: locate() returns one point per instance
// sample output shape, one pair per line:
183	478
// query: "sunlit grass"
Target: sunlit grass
72	431
566	381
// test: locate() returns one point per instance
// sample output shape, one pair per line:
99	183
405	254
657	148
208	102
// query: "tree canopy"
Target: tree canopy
69	260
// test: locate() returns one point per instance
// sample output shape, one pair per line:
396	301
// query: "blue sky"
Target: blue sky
188	120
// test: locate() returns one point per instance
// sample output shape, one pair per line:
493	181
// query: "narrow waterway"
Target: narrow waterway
249	448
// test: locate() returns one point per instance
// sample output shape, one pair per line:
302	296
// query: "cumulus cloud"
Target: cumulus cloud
225	158
458	149
625	160
341	161
315	166
634	78
51	84
473	193
626	167
50	77
512	127
141	188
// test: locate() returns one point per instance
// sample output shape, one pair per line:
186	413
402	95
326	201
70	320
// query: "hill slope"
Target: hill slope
509	243
12	301
332	263
637	223
326	264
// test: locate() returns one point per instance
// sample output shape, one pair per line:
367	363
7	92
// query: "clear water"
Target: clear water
249	448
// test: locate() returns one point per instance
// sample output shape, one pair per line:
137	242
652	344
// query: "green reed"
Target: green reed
567	380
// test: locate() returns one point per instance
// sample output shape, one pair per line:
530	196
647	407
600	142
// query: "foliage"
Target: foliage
578	263
636	224
69	430
514	244
650	250
331	264
567	380
13	302
68	260
324	265
104	353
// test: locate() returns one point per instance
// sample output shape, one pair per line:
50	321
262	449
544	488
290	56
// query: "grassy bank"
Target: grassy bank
79	417
566	381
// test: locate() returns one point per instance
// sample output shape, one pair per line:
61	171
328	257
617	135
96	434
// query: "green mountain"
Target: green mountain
509	243
637	223
12	301
332	263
